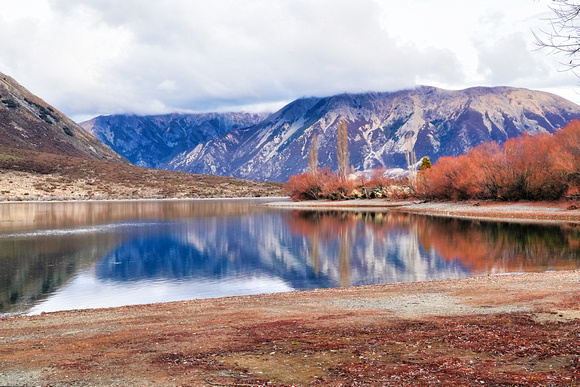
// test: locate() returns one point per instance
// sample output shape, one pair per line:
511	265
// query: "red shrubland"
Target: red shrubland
328	185
541	167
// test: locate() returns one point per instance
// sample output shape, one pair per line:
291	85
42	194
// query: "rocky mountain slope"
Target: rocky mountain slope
28	122
382	127
153	141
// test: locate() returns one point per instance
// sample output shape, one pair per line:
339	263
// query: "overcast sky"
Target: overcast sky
93	57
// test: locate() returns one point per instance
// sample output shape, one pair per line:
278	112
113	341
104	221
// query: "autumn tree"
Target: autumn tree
540	167
302	187
343	155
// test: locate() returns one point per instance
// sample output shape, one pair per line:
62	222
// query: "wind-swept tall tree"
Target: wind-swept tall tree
343	155
313	157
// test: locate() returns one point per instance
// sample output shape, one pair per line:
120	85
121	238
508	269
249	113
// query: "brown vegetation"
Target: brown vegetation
541	167
53	176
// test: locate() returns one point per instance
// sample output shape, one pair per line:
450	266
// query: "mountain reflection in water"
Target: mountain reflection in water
138	252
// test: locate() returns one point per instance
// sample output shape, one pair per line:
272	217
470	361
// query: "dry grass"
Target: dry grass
29	175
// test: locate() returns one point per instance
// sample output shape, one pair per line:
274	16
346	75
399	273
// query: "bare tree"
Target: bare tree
313	157
342	152
564	35
412	167
411	158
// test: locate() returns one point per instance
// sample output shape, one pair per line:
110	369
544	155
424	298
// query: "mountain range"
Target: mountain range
382	127
153	141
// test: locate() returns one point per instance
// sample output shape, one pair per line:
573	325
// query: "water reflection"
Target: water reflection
34	266
44	246
502	247
79	255
22	216
360	248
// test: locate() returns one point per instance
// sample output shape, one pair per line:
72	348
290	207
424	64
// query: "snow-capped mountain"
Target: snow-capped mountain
381	126
151	141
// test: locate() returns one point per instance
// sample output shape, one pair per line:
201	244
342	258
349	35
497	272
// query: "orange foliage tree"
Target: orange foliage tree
541	167
303	187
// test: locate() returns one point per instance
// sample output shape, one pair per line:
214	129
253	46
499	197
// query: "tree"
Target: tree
342	152
313	157
564	36
425	163
411	161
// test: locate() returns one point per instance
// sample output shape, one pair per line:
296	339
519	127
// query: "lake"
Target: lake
77	255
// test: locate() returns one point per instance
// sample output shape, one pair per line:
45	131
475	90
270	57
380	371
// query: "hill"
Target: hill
45	155
28	122
31	175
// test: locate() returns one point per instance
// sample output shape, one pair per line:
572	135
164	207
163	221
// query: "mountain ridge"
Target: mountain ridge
150	141
382	127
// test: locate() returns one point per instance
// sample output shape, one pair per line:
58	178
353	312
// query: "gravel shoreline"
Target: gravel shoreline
386	333
506	211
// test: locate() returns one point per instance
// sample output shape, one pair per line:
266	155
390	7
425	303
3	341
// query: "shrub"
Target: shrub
378	185
335	187
67	131
452	178
303	187
330	186
10	103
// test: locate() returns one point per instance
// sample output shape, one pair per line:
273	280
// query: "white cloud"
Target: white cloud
509	60
144	56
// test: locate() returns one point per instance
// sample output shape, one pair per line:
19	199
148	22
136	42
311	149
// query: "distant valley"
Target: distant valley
382	127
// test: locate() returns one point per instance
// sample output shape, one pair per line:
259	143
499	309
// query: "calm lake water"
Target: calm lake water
59	256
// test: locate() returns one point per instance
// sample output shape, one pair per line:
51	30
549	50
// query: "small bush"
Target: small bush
67	131
10	103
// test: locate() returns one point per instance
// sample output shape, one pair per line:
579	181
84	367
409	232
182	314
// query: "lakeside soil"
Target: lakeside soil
521	329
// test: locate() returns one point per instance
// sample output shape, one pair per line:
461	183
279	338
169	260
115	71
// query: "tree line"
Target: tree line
541	167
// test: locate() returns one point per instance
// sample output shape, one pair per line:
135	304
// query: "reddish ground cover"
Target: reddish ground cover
494	330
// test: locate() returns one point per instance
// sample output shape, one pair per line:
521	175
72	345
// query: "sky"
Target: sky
98	57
